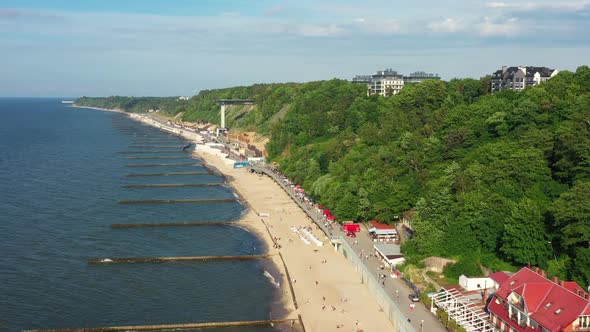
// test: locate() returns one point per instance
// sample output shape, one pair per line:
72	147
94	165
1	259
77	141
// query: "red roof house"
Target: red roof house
379	228
527	301
499	278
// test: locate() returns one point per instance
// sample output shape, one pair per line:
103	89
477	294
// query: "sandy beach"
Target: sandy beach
329	293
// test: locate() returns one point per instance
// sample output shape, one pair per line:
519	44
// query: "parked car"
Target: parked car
414	297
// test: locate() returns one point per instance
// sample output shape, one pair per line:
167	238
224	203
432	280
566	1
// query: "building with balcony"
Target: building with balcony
527	302
386	83
389	82
519	78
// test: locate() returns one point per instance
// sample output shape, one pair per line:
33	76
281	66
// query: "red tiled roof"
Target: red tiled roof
380	225
573	287
498	310
533	294
499	277
537	292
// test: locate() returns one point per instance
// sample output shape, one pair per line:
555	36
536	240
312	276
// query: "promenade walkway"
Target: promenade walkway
421	318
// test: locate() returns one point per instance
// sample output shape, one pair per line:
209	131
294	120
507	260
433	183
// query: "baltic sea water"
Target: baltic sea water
61	177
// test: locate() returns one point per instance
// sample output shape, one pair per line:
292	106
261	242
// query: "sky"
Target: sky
179	47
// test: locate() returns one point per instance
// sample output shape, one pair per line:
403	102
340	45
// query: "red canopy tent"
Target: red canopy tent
327	213
351	227
331	217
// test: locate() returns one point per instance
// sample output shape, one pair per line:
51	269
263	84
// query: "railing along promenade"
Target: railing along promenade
311	211
385	301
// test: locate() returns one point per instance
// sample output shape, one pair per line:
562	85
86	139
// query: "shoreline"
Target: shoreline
328	292
98	109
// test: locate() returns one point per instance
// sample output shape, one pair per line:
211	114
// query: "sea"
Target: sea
63	173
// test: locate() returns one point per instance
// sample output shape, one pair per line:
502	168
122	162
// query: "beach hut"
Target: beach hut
381	231
390	254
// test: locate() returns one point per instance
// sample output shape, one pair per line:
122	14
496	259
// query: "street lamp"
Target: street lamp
422	325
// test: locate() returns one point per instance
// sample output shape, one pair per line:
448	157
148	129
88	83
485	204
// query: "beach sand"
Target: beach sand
328	294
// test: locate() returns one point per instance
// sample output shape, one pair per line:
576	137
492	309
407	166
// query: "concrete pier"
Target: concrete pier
129	260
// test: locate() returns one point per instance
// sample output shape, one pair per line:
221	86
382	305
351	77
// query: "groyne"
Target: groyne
173	185
174	224
165	201
164	327
168	174
128	260
160	165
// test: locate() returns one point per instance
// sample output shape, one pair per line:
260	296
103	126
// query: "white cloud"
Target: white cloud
314	30
501	28
561	5
379	26
449	25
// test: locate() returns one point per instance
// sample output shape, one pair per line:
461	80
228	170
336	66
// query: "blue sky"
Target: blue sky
178	47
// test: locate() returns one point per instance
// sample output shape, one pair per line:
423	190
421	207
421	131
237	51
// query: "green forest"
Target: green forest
497	180
167	105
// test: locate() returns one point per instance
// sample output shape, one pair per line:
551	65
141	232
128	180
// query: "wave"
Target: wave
272	279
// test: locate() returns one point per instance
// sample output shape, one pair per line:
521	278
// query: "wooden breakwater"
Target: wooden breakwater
164	327
165	201
175	224
155	146
130	260
159	165
168	174
151	151
173	185
156	157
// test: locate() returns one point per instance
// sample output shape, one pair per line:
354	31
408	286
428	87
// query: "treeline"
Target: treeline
168	105
272	101
494	178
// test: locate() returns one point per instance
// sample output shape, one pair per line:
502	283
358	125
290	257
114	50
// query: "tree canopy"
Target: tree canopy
503	177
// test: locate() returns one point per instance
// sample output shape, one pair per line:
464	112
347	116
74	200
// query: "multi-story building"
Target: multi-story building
519	78
419	76
389	82
386	83
529	302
